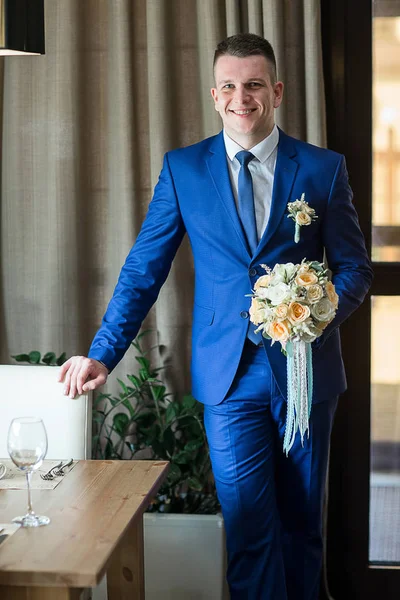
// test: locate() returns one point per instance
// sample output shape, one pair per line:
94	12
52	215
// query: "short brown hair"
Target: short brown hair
247	44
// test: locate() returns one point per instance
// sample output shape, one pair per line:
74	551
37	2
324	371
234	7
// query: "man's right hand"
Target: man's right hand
81	374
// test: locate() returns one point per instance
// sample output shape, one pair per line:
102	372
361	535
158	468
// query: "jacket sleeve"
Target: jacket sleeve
143	274
345	249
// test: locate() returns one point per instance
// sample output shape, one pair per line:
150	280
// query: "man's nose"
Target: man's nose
241	95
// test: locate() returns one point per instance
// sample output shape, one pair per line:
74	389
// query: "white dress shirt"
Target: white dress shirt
262	169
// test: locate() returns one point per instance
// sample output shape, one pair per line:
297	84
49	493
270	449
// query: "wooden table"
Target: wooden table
96	528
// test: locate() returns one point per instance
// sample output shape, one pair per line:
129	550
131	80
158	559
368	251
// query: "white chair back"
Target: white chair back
27	390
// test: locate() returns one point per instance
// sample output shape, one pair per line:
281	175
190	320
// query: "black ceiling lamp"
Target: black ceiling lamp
21	27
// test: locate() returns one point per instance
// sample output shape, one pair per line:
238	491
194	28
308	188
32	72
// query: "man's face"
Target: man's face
245	97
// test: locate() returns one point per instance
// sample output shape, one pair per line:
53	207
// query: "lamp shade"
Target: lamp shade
21	27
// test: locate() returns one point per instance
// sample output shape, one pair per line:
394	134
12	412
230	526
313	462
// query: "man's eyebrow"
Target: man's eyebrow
248	80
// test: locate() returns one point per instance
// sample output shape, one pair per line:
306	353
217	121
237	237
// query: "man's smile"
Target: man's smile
245	112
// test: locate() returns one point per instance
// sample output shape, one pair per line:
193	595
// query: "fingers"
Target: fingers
79	372
93	384
64	368
92	373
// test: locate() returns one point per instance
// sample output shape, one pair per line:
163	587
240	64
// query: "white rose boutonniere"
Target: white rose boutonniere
302	214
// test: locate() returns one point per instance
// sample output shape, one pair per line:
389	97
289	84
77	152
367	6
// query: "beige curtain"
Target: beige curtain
84	129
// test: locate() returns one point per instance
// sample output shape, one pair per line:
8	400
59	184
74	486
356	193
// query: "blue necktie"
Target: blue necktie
247	216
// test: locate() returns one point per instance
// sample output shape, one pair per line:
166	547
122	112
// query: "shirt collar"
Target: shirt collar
262	150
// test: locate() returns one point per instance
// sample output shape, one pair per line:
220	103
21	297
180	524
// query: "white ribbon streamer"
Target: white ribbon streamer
299	392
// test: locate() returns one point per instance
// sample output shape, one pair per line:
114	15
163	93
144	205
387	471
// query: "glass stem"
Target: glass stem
28	484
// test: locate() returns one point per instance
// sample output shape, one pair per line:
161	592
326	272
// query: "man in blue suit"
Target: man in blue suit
232	204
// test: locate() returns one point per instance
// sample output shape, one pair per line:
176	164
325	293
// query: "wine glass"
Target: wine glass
27	447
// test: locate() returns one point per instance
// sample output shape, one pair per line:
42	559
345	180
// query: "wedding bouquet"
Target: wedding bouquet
293	304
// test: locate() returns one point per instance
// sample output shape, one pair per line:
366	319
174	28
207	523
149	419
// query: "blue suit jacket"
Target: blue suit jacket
194	196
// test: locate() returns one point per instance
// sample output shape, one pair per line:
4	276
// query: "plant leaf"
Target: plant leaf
195	484
135	380
158	391
123	385
129	407
61	359
120	422
193	445
189	402
171	412
34	357
20	357
49	358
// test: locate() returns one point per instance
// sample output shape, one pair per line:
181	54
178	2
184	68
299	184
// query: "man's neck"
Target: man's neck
248	142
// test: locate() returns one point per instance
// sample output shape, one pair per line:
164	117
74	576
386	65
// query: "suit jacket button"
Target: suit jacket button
244	314
252	272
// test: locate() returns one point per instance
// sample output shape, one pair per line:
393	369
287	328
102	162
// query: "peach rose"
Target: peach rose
262	281
298	313
256	312
303	218
281	311
279	331
314	293
331	293
306	278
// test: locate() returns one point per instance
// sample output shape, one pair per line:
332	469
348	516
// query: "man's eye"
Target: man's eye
228	86
254	84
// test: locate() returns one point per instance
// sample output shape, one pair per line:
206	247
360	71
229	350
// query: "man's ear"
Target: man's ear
214	94
278	93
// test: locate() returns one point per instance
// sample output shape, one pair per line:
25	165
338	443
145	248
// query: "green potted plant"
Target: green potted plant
143	420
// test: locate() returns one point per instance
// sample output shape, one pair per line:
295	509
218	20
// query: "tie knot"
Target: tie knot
244	157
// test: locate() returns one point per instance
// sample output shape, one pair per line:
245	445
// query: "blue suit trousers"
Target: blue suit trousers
272	504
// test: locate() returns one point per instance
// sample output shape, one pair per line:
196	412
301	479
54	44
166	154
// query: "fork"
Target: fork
61	470
49	475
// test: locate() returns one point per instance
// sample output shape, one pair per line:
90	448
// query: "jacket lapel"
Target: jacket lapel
218	168
285	173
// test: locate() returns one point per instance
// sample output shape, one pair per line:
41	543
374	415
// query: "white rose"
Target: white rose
278	293
323	310
284	272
